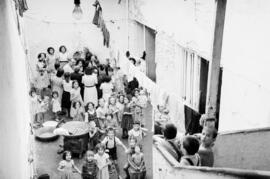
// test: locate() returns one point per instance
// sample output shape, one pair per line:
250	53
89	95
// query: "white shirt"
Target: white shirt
67	68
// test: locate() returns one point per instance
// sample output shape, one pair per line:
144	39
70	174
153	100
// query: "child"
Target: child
189	148
42	81
90	112
142	99
112	108
90	168
138	115
111	142
207	121
120	106
102	109
77	111
127	118
103	161
56	107
137	132
34	105
110	122
66	166
208	138
131	150
137	166
94	135
75	93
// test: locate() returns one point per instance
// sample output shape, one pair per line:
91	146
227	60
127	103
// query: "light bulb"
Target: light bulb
77	12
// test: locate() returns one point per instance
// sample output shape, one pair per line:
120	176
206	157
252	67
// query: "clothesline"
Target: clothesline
75	22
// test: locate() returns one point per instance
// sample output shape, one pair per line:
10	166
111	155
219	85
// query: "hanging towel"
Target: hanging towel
97	13
192	119
21	5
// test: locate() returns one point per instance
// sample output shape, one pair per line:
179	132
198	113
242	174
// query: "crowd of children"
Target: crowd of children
188	150
81	88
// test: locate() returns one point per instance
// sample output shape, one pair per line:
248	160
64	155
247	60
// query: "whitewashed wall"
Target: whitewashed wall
245	95
15	116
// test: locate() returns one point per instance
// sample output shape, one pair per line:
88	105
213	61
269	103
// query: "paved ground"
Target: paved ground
47	159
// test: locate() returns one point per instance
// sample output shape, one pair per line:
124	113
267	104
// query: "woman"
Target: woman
57	82
90	91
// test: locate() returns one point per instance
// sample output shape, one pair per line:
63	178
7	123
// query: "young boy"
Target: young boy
89	168
189	148
208	138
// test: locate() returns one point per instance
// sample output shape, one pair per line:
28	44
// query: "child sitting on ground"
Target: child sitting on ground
89	168
190	146
207	138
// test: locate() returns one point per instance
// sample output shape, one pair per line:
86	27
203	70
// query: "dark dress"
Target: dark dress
94	140
127	120
66	103
89	166
93	117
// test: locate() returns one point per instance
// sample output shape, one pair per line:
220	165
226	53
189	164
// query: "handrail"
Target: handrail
258	174
245	131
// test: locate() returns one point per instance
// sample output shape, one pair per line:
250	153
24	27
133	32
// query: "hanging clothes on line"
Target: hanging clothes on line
21	5
98	13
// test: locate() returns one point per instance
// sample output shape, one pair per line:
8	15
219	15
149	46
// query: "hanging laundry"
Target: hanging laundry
97	13
21	5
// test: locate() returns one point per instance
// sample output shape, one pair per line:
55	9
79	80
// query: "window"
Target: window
194	81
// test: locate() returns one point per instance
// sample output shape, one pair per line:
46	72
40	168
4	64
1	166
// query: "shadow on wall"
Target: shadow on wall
247	149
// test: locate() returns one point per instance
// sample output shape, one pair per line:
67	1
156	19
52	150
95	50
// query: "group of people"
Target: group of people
188	150
81	88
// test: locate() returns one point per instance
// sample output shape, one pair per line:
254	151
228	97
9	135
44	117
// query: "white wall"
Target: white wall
14	123
245	95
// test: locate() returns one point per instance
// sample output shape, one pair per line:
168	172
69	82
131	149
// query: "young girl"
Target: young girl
127	119
67	166
56	107
137	169
120	106
77	111
137	132
107	88
103	161
94	135
110	122
102	109
41	81
142	99
90	167
90	113
67	86
131	150
75	92
34	105
113	109
138	115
